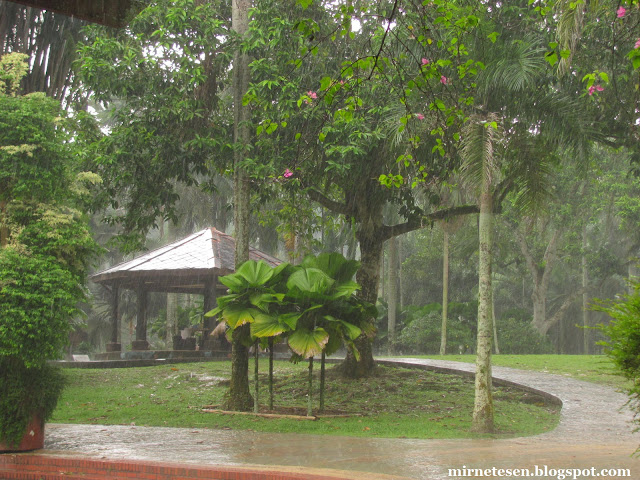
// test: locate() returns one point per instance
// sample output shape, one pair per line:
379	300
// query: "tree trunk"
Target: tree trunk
585	294
256	378
541	276
496	348
323	362
393	295
270	373
241	133
368	277
310	392
445	292
539	310
483	405
239	397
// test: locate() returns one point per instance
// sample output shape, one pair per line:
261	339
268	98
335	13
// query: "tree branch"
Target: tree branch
524	249
335	207
426	220
384	38
555	318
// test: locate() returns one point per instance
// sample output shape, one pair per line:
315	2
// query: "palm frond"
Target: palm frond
531	173
515	69
569	30
479	160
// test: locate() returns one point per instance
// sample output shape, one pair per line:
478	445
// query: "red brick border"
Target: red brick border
47	467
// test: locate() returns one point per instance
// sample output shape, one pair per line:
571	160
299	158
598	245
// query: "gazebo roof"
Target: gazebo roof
183	266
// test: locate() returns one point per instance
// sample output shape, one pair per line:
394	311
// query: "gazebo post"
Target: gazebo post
209	303
140	343
114	345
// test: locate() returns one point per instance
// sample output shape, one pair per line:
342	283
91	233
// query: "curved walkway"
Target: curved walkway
594	431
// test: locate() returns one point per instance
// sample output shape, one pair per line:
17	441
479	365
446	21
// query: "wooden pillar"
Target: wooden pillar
210	296
209	303
140	343
114	345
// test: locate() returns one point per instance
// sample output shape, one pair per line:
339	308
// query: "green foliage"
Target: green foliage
158	83
313	304
13	67
423	326
186	317
44	255
49	245
623	346
23	392
516	335
32	152
38	296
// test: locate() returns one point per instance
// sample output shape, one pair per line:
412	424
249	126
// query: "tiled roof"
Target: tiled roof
181	266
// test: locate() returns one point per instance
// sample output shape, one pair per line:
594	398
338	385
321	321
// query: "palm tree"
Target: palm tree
481	166
518	112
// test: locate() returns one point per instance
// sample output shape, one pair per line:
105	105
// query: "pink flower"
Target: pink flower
420	116
595	88
599	88
312	94
621	12
287	173
592	89
425	61
444	80
637	45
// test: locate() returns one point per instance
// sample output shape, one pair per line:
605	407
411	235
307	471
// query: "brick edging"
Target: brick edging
49	467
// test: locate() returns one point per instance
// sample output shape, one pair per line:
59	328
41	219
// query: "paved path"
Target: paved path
594	431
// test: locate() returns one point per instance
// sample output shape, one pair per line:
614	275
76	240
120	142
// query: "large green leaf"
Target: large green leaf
291	319
266	325
256	274
222	304
234	282
263	300
214	312
307	343
237	315
333	264
310	280
350	330
334	343
278	270
344	289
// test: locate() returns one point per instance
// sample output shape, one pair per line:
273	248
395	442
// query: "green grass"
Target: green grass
591	368
395	402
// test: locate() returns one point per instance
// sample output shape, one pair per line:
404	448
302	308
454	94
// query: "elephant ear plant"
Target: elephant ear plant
251	306
313	306
323	291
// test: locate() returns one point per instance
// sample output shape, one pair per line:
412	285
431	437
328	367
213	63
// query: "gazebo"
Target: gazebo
190	265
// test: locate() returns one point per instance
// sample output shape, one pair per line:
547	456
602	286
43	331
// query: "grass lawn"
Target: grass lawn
396	402
591	368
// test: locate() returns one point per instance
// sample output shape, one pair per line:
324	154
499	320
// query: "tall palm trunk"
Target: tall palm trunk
480	167
445	292
585	294
393	294
483	405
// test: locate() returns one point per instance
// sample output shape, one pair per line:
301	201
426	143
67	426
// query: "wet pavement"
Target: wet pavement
594	433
